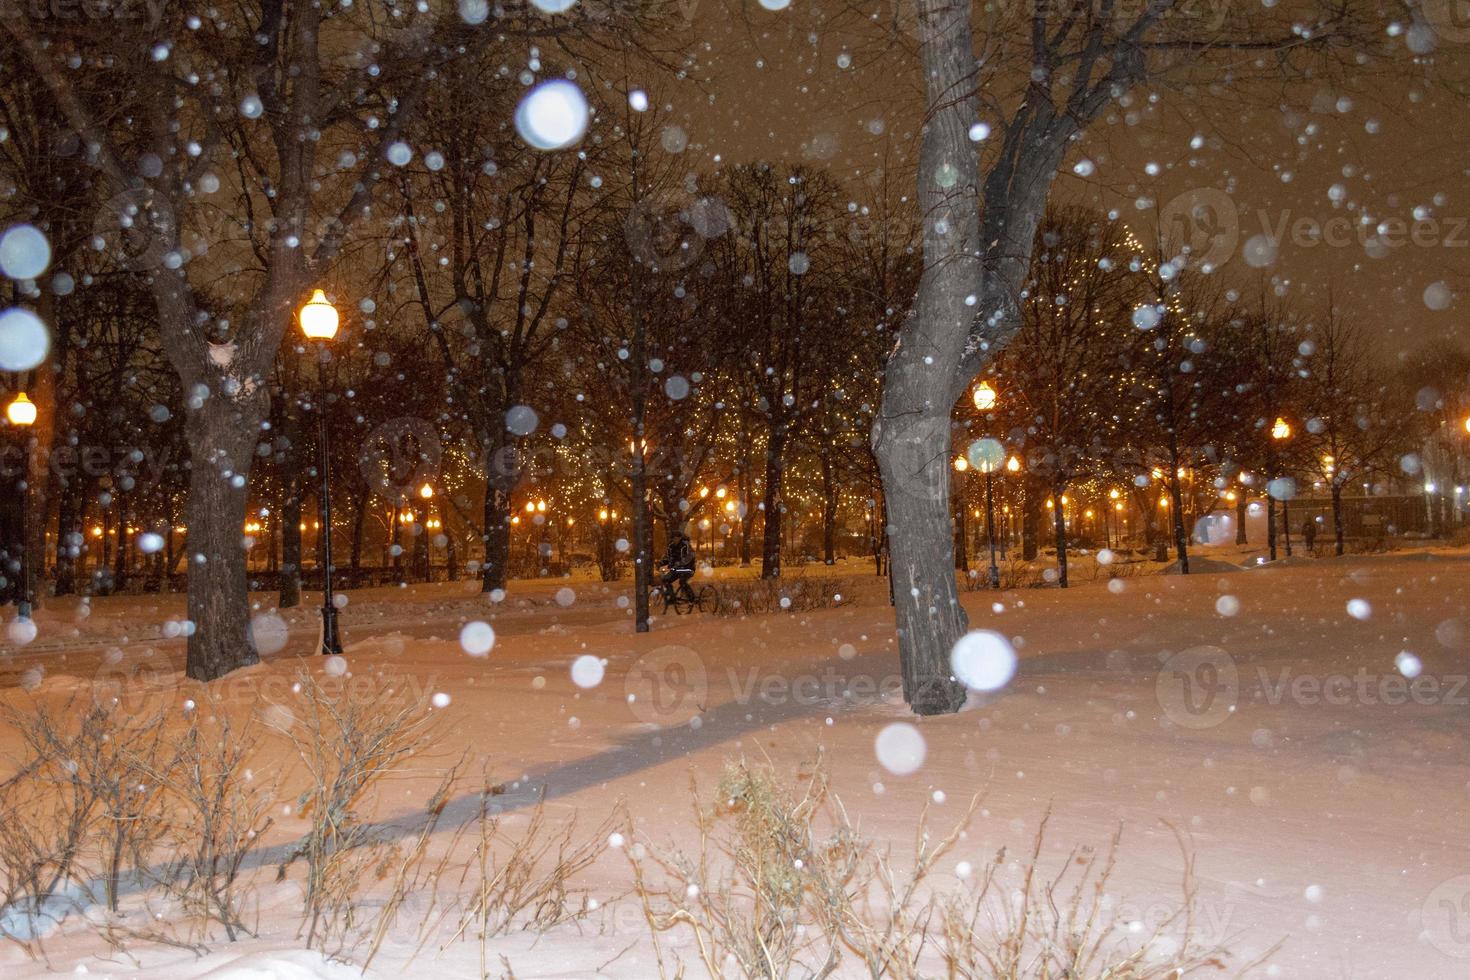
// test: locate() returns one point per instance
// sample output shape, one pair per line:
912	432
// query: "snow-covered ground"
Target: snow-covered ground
1263	714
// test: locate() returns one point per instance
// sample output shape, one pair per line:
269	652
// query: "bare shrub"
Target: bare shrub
523	881
1017	573
346	743
798	593
218	811
83	809
783	886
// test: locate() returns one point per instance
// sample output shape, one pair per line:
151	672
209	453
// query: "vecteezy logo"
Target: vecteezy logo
1201	223
916	470
667	685
1449	19
1198	687
1446	917
399	456
139	227
668	233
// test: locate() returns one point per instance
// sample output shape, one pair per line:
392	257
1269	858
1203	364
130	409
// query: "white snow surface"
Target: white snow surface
1334	826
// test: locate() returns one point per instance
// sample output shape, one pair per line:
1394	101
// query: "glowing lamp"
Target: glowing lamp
22	411
319	318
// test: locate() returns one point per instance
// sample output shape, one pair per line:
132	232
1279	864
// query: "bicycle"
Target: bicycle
685	600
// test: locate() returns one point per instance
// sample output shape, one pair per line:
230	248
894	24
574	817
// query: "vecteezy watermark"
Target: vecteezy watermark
671	685
1205	225
136	11
1202	223
1446	917
1448	19
400	456
140	685
1198	687
1201	687
129	466
667	685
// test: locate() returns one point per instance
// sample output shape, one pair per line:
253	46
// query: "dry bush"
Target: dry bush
739	597
346	744
784	886
82	811
523	881
1018	573
1061	926
218	812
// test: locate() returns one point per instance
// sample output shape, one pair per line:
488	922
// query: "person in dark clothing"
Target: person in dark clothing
1309	534
679	559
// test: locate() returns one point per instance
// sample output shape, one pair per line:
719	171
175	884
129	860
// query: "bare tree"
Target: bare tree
1047	73
1064	370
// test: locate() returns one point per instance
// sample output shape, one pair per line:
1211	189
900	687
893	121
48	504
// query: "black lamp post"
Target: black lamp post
22	414
319	322
990	523
1280	432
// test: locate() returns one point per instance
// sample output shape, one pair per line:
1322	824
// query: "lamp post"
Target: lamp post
22	414
987	466
319	322
1280	432
426	494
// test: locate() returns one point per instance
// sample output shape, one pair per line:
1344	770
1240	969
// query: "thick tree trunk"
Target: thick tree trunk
1031	508
773	504
1181	537
502	473
913	450
69	537
1240	515
221	435
1337	535
290	573
497	539
120	557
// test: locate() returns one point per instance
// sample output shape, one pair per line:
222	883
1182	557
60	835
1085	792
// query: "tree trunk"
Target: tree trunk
221	435
1032	505
69	536
773	502
1240	514
913	451
497	539
1059	526
1337	535
120	557
290	573
1181	538
359	527
829	513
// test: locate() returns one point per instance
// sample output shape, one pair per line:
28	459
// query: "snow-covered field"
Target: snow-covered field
1265	715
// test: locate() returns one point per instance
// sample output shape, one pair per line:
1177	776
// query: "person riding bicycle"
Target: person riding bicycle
679	558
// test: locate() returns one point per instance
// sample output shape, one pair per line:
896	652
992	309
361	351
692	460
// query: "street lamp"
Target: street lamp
22	414
319	322
986	455
21	411
984	396
1280	432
